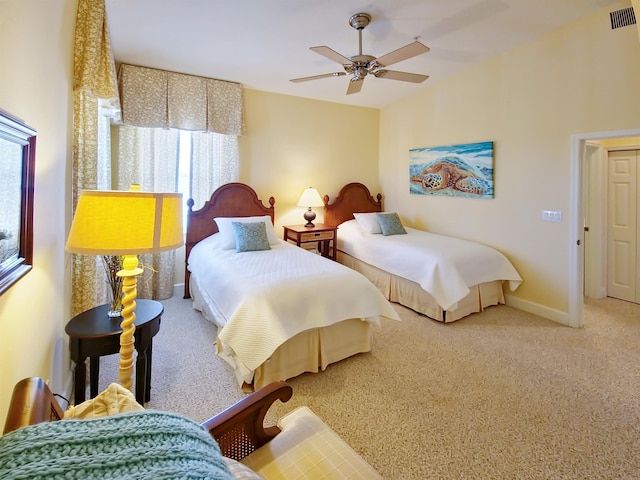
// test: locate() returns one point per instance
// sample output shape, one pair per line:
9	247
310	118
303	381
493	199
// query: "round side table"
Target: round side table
93	334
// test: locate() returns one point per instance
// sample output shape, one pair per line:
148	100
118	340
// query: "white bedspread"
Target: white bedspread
443	266
266	297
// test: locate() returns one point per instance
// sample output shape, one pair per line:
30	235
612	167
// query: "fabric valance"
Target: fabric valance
158	98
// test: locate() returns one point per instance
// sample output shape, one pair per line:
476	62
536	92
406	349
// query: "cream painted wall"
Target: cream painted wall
579	79
291	143
35	85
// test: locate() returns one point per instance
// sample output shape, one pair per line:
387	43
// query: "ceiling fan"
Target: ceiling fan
361	65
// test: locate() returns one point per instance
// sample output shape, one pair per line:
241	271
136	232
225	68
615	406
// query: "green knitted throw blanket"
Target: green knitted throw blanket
136	445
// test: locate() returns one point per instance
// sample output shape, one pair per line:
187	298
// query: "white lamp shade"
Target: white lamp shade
109	222
310	198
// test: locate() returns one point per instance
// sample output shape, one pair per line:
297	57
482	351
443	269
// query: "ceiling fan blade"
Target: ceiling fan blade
404	76
331	54
316	77
403	53
355	85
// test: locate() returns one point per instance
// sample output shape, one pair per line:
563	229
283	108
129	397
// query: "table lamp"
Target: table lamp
310	198
127	223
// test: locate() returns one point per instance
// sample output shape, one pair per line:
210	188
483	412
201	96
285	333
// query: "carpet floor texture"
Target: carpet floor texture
502	394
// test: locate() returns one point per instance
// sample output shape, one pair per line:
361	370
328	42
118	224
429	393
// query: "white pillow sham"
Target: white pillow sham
225	228
349	229
368	221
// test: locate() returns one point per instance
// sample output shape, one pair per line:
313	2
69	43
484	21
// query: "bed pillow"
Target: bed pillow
368	221
225	228
390	224
250	237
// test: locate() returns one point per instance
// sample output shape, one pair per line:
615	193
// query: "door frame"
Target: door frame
595	218
576	219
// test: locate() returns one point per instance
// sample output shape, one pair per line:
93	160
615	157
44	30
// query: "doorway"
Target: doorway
622	225
582	154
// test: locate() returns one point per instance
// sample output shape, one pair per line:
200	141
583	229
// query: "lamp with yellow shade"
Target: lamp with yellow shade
126	223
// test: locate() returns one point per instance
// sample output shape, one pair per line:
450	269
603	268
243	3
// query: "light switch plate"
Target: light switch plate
551	216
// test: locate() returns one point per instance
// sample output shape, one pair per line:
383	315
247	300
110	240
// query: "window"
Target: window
191	163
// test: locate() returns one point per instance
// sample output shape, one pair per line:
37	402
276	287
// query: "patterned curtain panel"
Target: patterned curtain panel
93	66
214	162
94	78
162	99
149	157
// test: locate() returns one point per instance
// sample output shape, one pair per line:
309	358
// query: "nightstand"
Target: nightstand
322	235
94	334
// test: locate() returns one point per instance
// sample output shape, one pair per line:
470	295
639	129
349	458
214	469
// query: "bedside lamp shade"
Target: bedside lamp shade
310	198
126	223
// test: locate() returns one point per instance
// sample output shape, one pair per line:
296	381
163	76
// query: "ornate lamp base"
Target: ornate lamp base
309	216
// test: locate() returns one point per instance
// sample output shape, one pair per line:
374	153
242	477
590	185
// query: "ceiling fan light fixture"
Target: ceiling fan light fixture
361	72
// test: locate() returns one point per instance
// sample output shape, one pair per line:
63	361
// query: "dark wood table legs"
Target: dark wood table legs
93	334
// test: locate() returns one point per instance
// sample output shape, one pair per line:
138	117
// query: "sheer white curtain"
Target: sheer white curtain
214	162
149	157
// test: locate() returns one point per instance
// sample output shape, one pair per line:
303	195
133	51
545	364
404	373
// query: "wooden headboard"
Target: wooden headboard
353	197
229	200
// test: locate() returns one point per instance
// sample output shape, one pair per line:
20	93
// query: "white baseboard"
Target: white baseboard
537	309
178	290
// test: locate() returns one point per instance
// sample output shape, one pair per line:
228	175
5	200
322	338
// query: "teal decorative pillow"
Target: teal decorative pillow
250	236
225	229
390	224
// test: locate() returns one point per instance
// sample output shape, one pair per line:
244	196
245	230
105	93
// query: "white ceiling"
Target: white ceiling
265	43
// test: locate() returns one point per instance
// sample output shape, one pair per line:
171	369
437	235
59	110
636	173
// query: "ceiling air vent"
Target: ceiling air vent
622	18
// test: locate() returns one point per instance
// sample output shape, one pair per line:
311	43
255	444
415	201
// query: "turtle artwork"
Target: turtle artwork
457	170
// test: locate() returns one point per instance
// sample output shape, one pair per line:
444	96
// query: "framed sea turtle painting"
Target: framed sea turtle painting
464	170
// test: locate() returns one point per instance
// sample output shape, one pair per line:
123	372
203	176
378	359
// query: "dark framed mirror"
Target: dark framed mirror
17	164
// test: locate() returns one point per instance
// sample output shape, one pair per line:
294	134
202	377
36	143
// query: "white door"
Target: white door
622	227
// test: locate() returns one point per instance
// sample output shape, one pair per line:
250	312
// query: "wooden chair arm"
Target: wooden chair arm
31	402
239	429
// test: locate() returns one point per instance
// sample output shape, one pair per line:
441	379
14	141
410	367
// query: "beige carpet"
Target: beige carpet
499	395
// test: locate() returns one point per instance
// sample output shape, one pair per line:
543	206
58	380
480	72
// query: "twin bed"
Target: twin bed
442	277
281	311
